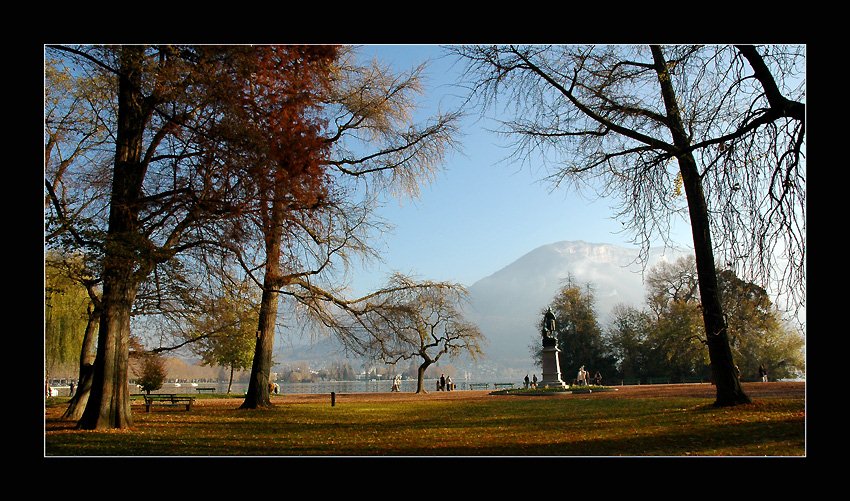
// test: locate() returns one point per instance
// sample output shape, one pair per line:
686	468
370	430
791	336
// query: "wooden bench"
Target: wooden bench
479	386
169	399
201	390
631	381
659	380
503	385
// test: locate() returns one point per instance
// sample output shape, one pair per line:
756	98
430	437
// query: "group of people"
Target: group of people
582	377
397	383
445	383
274	388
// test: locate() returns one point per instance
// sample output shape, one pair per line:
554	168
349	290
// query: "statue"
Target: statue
549	354
549	323
549	329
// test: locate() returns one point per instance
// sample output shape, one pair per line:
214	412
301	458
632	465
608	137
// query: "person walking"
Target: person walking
449	384
526	381
534	380
762	373
443	382
597	378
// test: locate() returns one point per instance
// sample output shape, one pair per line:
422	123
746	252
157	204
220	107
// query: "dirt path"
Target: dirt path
705	390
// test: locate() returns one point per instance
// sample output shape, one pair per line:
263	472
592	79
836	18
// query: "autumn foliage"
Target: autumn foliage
281	117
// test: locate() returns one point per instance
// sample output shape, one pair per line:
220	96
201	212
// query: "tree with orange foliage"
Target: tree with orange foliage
325	122
281	133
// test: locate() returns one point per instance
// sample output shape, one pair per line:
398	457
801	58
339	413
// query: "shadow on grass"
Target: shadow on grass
563	427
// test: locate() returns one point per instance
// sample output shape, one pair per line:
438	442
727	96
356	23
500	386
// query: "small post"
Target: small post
333	398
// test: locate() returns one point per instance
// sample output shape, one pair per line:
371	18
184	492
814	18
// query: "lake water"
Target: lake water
319	387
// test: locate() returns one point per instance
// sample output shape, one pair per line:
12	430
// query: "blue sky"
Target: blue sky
482	211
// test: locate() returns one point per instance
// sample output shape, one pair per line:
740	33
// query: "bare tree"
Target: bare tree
404	320
726	124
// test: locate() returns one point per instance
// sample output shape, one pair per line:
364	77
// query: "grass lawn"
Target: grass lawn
428	425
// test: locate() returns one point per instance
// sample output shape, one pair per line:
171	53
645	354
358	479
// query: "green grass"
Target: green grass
497	427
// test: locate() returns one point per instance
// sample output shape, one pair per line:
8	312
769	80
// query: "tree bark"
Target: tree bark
724	374
257	395
230	383
87	357
420	383
109	404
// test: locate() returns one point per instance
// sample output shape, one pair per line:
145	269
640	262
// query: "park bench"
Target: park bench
479	386
168	399
202	390
692	380
631	381
503	385
659	380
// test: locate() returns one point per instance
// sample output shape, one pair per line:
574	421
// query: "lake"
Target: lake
407	385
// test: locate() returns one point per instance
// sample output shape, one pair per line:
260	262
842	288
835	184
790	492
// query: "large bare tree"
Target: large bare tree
724	123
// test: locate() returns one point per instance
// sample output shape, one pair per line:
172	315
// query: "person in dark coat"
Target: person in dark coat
443	382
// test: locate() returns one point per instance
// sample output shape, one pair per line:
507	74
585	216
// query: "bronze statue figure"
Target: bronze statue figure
549	323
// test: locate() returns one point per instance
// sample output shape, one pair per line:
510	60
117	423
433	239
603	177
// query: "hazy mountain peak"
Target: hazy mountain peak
507	303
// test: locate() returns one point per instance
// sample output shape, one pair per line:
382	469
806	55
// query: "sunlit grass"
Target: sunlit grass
496	427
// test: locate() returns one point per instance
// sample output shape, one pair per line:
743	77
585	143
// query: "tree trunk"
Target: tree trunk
230	383
258	386
724	374
420	383
109	404
87	356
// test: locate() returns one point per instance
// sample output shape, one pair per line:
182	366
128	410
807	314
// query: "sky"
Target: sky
482	211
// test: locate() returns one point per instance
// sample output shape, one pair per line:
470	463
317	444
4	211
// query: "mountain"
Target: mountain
507	304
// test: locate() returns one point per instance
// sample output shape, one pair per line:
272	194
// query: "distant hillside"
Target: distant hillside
506	305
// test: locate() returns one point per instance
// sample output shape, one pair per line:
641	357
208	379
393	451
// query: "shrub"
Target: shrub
151	373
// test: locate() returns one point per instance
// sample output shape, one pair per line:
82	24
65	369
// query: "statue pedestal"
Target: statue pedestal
551	368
